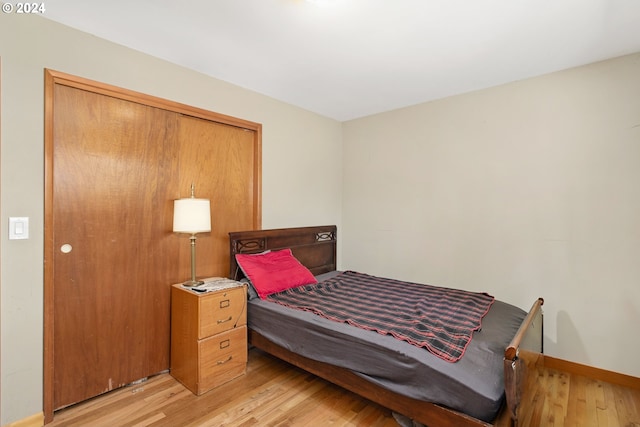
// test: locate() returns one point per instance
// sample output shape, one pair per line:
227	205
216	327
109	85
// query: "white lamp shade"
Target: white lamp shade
191	216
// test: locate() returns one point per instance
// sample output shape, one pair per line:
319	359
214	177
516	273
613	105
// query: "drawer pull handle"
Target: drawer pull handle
221	362
224	320
225	344
224	303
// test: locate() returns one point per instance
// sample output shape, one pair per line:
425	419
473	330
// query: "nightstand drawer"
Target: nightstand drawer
221	311
222	358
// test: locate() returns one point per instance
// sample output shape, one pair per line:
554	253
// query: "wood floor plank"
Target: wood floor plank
533	405
577	406
627	407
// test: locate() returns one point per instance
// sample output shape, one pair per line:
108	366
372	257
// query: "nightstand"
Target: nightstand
208	336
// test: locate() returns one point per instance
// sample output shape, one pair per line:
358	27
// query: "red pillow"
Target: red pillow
274	271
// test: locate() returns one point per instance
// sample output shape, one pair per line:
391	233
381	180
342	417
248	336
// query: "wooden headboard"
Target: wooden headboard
314	247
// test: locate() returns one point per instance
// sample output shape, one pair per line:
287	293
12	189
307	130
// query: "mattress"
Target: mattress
474	385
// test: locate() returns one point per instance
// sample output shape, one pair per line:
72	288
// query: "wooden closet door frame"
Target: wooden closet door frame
53	78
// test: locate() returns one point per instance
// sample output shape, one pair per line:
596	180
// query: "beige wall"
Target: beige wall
524	190
301	167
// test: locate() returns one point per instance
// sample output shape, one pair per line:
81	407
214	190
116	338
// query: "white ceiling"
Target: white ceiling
351	58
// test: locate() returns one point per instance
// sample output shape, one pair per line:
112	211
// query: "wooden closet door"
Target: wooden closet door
114	178
115	160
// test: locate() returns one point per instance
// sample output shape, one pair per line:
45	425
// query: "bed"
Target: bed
483	388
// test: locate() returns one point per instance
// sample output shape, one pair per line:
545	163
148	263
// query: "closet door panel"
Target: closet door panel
219	159
113	176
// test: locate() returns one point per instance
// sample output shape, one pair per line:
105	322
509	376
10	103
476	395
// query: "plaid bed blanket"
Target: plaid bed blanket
442	320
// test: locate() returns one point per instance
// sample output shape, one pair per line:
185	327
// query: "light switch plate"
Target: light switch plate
18	228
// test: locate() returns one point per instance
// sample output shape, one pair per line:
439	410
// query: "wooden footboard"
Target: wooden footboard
523	357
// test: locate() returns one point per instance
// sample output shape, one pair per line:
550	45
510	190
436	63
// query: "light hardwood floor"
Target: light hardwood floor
274	393
561	398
